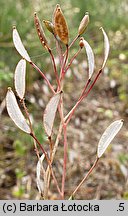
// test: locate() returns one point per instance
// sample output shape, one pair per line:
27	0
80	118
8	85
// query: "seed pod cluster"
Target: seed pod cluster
83	24
61	28
40	31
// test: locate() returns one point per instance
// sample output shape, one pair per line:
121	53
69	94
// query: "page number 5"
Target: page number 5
121	207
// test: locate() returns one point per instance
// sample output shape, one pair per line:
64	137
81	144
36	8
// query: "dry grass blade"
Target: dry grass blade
108	136
19	45
90	56
106	47
19	78
61	28
50	112
15	112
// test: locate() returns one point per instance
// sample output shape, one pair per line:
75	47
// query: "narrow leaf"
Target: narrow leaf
50	112
90	57
19	45
39	168
61	28
19	78
106	47
15	112
108	136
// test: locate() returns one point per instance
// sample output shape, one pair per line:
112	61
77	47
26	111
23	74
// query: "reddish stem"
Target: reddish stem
48	161
62	73
65	159
42	74
54	67
83	95
83	180
70	114
72	59
74	40
85	88
96	78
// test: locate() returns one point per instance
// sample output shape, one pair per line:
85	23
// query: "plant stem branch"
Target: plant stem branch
30	124
65	159
72	59
86	176
54	67
62	72
42	74
49	163
83	95
74	40
70	114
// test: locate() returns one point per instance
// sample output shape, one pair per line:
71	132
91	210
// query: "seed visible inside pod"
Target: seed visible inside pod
61	28
40	31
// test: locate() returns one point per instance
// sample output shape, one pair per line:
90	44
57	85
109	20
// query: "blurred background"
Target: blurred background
107	102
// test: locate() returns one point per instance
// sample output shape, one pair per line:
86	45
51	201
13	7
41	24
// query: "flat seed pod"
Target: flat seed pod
19	45
39	168
61	28
19	78
83	24
40	31
108	136
50	112
106	47
15	112
90	56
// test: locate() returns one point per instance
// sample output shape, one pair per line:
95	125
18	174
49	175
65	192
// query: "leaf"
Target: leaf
40	31
108	136
106	47
19	45
15	112
50	112
61	28
39	168
19	78
90	57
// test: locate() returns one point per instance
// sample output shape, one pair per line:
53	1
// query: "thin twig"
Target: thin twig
49	163
74	40
70	114
54	67
65	159
42	74
83	95
62	72
72	59
30	124
83	180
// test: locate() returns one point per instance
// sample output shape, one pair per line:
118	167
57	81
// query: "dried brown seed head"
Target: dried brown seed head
61	28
